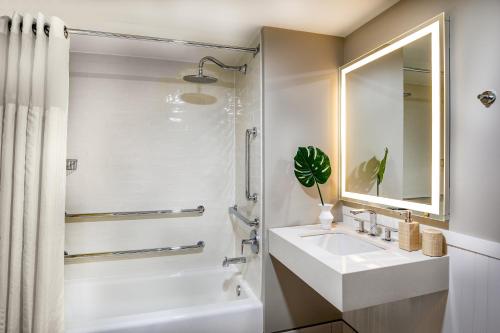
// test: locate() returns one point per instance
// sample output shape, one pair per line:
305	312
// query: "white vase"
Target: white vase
326	216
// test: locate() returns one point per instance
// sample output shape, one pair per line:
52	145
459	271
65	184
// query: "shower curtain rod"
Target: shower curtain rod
253	50
72	31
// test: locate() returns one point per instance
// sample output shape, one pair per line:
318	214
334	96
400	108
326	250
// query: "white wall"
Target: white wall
140	146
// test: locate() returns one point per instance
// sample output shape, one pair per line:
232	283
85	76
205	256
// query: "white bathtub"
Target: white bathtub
188	302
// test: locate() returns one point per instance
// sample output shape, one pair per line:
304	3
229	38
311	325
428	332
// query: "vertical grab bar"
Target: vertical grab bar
250	133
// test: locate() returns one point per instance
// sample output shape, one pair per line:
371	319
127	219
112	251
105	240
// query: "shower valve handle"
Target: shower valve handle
253	241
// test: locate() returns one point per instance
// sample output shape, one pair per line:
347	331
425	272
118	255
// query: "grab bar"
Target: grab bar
251	132
116	255
133	214
251	223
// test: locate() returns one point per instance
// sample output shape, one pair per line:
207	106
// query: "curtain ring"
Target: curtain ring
21	27
46	29
9	24
66	32
33	28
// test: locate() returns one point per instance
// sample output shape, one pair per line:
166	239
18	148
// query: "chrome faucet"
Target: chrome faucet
373	220
231	261
253	241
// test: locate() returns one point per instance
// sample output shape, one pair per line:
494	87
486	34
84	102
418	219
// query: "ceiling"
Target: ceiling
234	22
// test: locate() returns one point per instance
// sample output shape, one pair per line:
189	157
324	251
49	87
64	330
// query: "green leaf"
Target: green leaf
381	167
312	166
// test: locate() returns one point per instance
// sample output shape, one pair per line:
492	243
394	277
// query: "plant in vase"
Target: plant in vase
312	167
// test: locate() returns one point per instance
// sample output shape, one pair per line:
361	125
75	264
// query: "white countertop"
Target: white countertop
358	280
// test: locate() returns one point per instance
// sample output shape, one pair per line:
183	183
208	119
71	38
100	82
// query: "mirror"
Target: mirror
392	119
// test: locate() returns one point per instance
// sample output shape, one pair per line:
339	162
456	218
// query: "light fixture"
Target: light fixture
433	29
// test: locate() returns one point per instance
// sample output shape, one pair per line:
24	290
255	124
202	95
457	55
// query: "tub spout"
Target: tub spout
231	261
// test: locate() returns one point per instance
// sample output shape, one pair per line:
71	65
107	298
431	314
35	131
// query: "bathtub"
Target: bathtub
209	300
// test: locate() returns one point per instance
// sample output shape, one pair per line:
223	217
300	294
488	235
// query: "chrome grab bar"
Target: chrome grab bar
133	214
251	132
251	223
115	255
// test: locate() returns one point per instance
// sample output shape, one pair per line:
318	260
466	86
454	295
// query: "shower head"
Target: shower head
201	78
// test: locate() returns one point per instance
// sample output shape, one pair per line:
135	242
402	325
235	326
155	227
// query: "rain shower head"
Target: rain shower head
201	78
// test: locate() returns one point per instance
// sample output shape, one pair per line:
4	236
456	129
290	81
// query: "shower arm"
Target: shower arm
242	69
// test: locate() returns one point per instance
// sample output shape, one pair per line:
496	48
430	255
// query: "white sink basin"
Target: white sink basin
341	244
354	271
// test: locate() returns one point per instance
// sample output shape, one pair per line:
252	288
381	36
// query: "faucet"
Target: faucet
253	241
231	261
373	220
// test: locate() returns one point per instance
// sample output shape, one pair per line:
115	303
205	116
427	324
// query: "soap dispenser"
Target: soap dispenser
409	233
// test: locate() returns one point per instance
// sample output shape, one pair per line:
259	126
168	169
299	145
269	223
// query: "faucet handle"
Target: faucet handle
253	241
361	225
387	233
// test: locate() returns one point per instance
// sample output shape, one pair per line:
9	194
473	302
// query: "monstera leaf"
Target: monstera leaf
381	170
312	166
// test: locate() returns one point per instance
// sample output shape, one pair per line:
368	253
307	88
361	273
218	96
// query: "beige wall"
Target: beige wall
300	109
474	67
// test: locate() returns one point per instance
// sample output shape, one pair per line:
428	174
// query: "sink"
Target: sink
355	271
341	244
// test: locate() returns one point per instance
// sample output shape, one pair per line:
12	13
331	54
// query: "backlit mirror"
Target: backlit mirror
392	119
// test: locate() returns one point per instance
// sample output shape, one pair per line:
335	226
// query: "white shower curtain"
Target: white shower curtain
33	110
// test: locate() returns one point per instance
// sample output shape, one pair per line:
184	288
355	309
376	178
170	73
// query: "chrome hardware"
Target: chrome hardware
407	215
373	219
231	261
71	31
251	223
487	98
387	233
238	290
250	133
253	241
116	255
134	214
71	164
242	69
361	225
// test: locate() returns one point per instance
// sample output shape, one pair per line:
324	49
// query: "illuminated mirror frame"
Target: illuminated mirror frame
434	28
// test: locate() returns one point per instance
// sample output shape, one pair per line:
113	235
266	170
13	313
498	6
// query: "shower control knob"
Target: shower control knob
253	241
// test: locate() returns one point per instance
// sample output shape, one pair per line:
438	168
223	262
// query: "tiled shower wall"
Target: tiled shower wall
147	140
248	106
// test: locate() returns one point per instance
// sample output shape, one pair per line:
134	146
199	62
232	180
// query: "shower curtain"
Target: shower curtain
33	109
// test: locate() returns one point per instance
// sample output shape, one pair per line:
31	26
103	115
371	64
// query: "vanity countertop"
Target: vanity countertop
376	272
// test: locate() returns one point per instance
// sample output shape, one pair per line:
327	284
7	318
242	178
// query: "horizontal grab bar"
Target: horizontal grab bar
133	214
116	255
251	223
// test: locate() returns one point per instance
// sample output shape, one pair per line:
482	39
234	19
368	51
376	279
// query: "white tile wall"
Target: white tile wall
248	107
140	146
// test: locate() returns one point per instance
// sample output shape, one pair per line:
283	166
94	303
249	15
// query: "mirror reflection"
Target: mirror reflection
389	125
